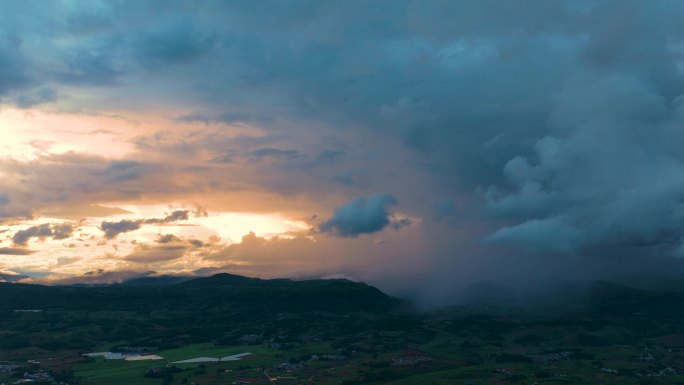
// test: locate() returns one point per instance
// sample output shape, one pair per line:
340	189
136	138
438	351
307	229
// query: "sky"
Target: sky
417	145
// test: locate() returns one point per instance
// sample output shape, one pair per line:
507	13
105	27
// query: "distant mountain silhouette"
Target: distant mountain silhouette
223	279
161	280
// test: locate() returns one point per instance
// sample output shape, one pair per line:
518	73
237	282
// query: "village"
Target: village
27	373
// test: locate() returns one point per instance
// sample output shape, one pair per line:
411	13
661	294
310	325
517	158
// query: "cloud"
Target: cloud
547	234
258	256
101	276
596	172
157	253
62	230
22	236
36	97
56	231
168	238
63	261
15	251
40	183
123	170
222	118
397	222
13	75
171	42
275	153
360	216
200	211
11	276
178	215
112	229
196	242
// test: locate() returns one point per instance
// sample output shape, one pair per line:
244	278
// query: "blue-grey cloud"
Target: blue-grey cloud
40	231
62	230
170	42
360	216
112	229
168	238
546	234
13	74
596	176
56	231
177	215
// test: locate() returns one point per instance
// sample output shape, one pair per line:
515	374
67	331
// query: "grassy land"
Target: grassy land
453	362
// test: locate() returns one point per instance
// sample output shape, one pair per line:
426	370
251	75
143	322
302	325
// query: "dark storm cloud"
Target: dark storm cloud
361	216
170	42
607	173
12	72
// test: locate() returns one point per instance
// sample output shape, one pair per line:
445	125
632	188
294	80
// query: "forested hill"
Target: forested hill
221	290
